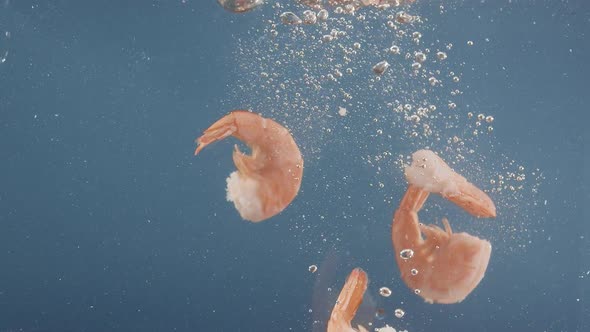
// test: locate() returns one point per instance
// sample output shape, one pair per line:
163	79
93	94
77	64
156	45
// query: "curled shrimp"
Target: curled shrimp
267	180
348	302
445	267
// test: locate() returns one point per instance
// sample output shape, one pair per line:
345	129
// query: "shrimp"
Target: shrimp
348	302
267	180
445	267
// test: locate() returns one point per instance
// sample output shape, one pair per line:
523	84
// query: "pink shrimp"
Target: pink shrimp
445	267
267	180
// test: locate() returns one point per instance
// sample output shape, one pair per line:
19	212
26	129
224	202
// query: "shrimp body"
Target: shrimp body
445	266
348	302
267	180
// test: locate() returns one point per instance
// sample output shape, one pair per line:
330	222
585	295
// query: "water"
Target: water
109	223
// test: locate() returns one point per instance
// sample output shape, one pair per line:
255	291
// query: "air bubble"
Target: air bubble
385	292
441	55
380	67
309	17
399	313
403	17
420	57
313	268
327	38
240	6
406	254
290	18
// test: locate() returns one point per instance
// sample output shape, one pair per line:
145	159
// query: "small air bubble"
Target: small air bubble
385	292
441	55
323	15
406	253
420	57
380	67
290	18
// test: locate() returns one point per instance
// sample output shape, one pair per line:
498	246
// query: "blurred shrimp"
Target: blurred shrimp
348	302
445	267
267	180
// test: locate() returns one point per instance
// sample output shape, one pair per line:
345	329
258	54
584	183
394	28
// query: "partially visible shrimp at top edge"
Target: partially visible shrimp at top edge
445	267
348	302
269	178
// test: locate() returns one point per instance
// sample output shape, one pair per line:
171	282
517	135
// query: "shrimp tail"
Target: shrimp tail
350	297
430	172
223	128
472	199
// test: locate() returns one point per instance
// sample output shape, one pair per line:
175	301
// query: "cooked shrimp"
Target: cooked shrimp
267	180
429	172
348	302
445	267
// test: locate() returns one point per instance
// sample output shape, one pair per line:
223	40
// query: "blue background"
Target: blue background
108	222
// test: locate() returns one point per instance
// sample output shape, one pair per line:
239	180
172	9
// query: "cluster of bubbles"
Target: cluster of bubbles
240	6
380	78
